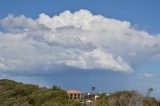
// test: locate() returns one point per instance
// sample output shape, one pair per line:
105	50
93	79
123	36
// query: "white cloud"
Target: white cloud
148	75
99	59
78	39
3	66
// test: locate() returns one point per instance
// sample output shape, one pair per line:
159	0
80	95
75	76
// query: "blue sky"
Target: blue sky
143	19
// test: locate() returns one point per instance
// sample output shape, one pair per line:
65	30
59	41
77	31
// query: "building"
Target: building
76	95
92	96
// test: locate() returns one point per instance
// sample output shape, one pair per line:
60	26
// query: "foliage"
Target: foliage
19	94
93	88
125	98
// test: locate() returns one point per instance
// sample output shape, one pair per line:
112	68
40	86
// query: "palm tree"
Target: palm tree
148	92
93	88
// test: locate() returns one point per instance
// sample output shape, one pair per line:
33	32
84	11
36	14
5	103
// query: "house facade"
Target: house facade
76	95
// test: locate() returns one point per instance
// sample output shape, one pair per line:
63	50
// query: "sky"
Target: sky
76	44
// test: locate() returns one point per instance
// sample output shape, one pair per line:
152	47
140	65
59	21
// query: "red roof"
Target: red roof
73	91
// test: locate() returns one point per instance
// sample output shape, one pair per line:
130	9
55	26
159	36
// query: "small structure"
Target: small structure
76	95
92	96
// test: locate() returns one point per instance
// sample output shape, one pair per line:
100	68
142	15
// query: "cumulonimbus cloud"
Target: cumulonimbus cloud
78	39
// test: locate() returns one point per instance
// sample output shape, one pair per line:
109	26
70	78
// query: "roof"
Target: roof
73	91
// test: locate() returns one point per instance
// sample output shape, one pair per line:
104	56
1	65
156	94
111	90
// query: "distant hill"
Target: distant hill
18	94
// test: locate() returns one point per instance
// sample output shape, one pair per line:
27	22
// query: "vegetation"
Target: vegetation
125	98
19	94
93	88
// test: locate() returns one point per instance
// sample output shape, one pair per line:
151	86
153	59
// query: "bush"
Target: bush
19	94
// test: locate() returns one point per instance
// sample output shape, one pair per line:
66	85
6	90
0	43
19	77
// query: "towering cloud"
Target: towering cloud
78	39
